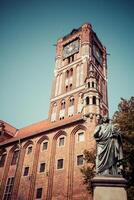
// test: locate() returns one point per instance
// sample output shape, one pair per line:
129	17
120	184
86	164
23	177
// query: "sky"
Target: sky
28	31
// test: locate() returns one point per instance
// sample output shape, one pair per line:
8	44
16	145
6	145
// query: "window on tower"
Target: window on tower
94	100
92	84
87	100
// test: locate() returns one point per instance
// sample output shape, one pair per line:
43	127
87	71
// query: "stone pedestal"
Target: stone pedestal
109	188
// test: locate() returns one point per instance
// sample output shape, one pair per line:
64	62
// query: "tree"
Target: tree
88	170
124	117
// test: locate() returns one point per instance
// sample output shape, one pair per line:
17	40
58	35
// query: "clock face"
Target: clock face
97	54
71	48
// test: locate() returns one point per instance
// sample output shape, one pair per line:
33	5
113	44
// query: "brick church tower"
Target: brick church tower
43	160
80	80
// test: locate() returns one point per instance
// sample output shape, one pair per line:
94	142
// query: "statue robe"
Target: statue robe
109	148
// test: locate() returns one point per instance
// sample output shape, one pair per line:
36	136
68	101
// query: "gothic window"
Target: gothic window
42	167
60	163
2	159
8	188
87	100
26	171
39	193
94	100
15	157
80	160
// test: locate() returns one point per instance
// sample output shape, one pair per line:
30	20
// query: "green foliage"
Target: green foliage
88	170
124	117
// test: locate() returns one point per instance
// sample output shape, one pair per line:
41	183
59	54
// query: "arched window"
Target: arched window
87	100
94	100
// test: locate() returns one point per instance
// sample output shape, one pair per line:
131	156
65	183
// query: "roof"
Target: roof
42	126
7	128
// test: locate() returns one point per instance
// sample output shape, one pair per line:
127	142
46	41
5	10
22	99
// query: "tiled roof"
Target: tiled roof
42	126
10	130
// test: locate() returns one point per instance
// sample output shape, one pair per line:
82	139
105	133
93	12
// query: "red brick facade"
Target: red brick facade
45	158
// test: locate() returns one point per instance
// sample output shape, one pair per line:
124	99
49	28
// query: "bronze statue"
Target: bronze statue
109	148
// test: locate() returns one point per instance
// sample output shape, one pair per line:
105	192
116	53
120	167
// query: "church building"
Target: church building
43	160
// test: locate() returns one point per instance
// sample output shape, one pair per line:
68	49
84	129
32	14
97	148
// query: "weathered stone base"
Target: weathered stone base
109	188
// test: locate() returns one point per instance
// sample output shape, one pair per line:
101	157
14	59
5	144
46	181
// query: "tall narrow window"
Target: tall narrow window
87	100
94	100
26	171
39	193
61	141
8	188
42	167
60	164
92	84
44	146
2	159
15	157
